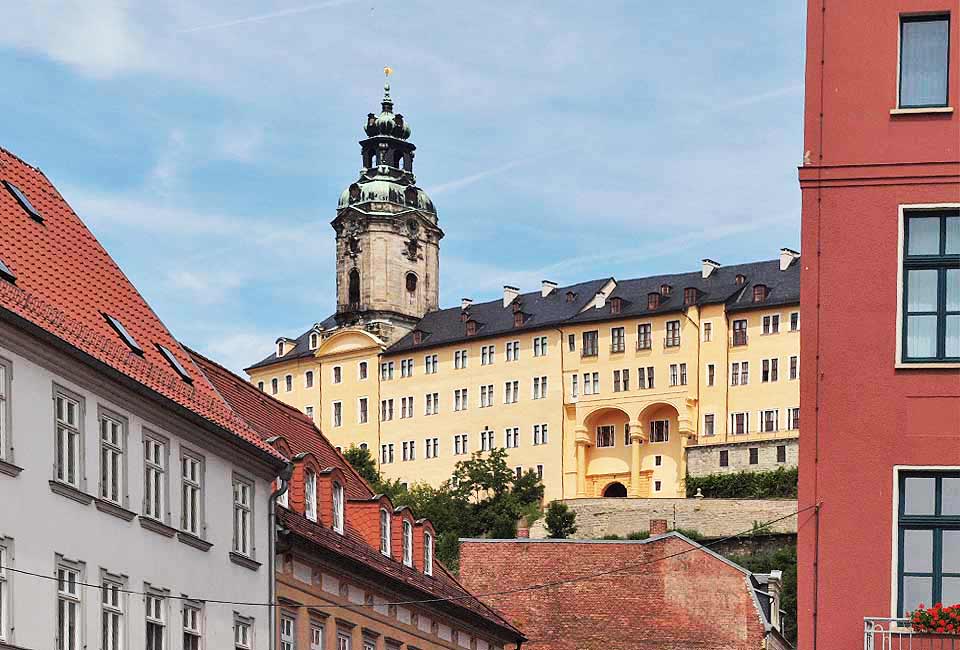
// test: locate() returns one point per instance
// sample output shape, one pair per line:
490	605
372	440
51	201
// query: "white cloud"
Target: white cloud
284	13
237	349
238	143
206	286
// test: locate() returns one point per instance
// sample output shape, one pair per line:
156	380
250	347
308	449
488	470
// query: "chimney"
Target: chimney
547	287
465	303
600	300
509	294
775	589
709	266
658	527
523	533
787	256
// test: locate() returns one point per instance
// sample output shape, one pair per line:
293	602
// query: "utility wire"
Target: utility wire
504	592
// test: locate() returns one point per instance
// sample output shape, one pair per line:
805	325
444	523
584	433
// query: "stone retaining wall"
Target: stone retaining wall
710	517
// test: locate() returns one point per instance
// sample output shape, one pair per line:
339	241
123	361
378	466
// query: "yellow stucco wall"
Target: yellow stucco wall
568	418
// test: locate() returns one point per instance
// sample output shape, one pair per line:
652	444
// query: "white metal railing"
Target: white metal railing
897	634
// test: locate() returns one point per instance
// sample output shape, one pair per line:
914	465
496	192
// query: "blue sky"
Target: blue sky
206	146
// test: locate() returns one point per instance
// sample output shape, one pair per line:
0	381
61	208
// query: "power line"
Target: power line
504	592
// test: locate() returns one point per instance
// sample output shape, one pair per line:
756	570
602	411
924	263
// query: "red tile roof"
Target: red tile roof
66	281
272	418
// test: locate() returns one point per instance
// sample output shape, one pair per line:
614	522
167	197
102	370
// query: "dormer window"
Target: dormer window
428	553
310	495
740	279
570	296
281	348
653	300
417	337
385	532
518	319
690	296
616	306
665	290
759	293
407	543
314	340
516	306
464	316
338	507
471	327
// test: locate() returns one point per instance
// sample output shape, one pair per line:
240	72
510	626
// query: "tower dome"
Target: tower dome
387	123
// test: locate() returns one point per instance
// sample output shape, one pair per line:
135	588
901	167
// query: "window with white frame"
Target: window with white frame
793	418
156	621
709	424
430	364
260	386
386	410
274	386
794	367
406	368
316	636
288	633
659	430
617	339
427	553
540	387
409	450
363	410
511	437
288	383
386	453
337	414
794	321
242	632
486	440
314	340
460	359
407	543
513	350
112	462
540	472
511	392
406	407
486	396
606	435
310	494
432	404
111	613
739	423
386	371
338	507
771	324
343	641
672	338
4	589
191	492
487	353
591	383
769	420
308	411
385	531
644	336
460	400
707	330
4	412
432	447
69	612
769	370
192	614
539	346
337	374
155	477
362	370
69	461
460	444
242	517
626	435
540	434
574	386
308	379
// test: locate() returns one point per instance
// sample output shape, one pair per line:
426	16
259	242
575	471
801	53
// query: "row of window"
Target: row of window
158	630
336	376
461	443
753	456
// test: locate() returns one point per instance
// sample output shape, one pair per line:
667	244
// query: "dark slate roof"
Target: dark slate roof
302	347
783	287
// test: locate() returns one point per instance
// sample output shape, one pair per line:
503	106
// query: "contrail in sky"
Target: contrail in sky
273	14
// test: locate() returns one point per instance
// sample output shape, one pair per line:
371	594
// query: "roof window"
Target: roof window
471	327
518	319
6	273
690	295
172	360
616	305
23	201
665	290
759	292
653	300
124	334
570	296
417	337
740	279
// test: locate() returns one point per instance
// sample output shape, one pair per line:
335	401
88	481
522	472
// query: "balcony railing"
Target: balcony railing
896	634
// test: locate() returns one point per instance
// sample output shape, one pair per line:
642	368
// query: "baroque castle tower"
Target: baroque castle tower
388	240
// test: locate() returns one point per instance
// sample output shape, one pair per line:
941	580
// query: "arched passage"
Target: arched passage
616	490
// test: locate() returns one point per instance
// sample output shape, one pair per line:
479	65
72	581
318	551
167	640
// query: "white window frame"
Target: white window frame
288	383
310	494
513	350
288	631
427	553
460	359
242	632
792	419
156	479
511	437
113	600
665	433
363	410
540	346
338	515
714	423
6	438
243	523
69	443
316	635
336	414
155	613
430	362
336	374
363	370
792	314
763	420
407	543
540	434
192	486
794	367
6	588
192	622
308	379
746	423
488	355
113	474
706	331
69	593
540	387
385	528
606	433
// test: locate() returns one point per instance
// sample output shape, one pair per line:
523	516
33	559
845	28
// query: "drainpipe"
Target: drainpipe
285	475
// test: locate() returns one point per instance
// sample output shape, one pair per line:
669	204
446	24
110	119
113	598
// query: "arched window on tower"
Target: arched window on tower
411	282
354	289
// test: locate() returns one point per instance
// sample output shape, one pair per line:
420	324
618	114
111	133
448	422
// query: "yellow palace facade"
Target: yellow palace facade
605	387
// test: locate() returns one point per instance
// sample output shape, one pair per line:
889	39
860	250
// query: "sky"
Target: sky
206	144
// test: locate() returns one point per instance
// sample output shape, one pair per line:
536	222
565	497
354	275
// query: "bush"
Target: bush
561	520
777	484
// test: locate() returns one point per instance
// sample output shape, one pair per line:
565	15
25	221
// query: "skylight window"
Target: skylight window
172	360
23	201
6	273
124	334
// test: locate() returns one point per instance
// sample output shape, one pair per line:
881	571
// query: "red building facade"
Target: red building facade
880	305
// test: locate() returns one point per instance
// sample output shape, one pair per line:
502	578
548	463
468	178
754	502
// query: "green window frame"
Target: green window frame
928	538
931	282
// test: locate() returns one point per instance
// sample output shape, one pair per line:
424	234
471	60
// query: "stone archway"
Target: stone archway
615	490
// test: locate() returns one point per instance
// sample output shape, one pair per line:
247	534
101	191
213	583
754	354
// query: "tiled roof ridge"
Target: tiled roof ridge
19	160
83	338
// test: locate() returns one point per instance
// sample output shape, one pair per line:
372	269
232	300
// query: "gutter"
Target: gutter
285	475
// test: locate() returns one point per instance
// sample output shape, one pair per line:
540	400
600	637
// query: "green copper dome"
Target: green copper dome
387	123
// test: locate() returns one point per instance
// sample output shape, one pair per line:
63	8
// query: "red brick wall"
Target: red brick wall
693	601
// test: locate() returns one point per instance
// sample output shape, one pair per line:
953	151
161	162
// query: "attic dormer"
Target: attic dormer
403	533
690	296
665	290
653	300
302	493
471	327
367	518
424	546
616	305
760	292
284	345
331	501
417	337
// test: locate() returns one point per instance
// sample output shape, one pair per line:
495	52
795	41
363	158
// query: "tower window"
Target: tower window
411	282
354	289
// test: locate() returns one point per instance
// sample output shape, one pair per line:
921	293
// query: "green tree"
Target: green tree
784	559
362	461
561	520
